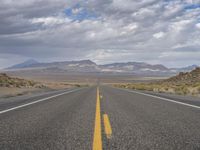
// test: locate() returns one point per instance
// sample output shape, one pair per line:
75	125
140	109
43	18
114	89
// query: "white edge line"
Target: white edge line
165	99
40	100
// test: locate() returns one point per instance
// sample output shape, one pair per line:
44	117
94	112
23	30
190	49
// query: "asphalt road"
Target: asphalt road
125	120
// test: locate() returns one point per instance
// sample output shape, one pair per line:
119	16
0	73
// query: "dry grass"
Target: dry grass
62	85
11	92
7	81
181	89
12	86
183	84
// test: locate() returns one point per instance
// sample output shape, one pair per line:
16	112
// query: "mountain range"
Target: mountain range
88	66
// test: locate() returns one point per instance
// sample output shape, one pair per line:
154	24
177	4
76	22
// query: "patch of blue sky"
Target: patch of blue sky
81	14
198	19
192	6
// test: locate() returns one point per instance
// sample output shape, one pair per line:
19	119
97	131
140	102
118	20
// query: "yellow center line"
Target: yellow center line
97	139
107	126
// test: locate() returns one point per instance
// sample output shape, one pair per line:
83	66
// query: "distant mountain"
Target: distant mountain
73	66
24	64
137	68
184	69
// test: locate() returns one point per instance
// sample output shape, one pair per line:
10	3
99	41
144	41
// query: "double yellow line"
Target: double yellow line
97	139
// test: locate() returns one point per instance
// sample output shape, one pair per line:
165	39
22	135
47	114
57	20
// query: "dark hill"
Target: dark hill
192	77
7	81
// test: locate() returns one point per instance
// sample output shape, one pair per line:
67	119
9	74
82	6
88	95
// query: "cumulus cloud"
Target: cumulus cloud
100	30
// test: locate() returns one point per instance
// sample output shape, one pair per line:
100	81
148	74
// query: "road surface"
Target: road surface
96	118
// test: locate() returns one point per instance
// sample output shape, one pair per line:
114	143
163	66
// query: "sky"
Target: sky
154	31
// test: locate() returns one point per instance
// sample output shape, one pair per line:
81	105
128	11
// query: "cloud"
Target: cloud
50	21
100	30
198	25
159	35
